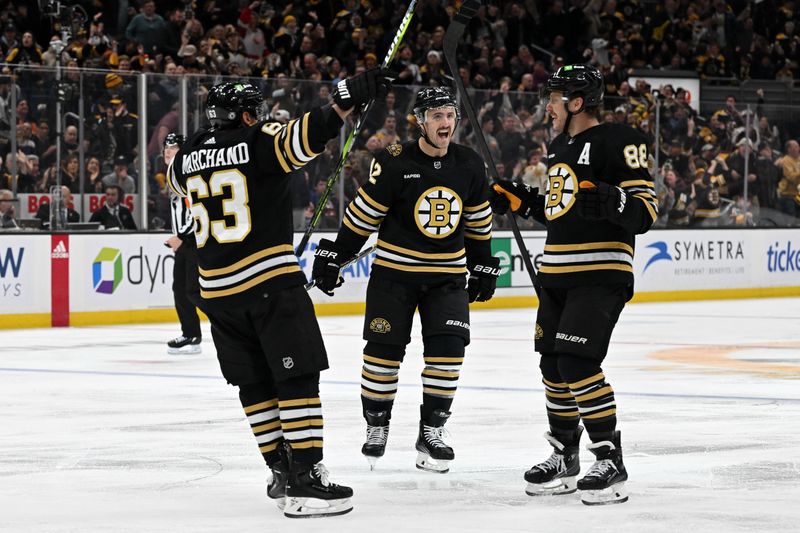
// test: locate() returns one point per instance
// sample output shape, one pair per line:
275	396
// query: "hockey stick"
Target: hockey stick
451	38
333	178
364	253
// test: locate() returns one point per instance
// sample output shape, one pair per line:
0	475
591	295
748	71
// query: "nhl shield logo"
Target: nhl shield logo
437	165
288	363
380	325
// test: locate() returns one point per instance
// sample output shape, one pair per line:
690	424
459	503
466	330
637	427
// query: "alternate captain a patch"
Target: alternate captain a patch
438	211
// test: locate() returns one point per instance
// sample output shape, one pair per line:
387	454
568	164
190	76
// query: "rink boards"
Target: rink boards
116	278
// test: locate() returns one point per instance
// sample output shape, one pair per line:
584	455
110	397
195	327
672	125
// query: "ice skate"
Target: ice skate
276	489
556	475
604	482
377	435
309	494
434	455
184	345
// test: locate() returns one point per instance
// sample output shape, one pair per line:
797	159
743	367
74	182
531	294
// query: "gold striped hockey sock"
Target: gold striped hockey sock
562	410
597	406
378	383
440	381
301	422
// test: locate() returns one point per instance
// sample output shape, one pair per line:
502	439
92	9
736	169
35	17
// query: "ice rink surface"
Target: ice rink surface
103	431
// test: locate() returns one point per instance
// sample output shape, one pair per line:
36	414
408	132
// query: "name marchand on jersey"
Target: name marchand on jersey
215	157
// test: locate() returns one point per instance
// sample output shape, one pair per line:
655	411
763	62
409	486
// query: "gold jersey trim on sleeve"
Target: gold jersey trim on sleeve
475	208
352	227
375	205
588	246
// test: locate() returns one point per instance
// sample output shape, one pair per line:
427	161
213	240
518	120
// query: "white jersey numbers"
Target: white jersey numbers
231	185
635	156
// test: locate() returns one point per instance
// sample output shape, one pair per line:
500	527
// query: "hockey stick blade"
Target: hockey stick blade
451	39
334	177
361	255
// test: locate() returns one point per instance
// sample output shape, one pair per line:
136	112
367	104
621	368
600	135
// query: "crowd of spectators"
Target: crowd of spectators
298	50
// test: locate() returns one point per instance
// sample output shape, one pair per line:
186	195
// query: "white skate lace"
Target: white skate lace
554	462
377	435
434	435
178	340
599	468
322	474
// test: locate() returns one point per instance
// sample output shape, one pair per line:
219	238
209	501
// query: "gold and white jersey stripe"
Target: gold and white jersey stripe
248	272
364	215
569	258
399	258
292	148
645	191
478	221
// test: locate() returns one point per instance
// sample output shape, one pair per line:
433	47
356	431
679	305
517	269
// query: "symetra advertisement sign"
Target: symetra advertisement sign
24	274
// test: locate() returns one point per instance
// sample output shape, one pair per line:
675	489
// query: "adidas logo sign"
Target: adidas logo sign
210	140
60	251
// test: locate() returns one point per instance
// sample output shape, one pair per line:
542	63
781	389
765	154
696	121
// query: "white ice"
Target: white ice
101	430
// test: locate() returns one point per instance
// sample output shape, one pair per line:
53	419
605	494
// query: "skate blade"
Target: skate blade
280	502
315	507
564	485
372	462
614	494
429	464
186	350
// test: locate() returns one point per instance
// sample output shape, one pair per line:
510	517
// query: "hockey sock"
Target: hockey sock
594	395
260	402
444	355
379	376
301	417
562	410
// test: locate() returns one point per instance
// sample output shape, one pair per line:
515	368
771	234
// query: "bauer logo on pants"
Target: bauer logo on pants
380	325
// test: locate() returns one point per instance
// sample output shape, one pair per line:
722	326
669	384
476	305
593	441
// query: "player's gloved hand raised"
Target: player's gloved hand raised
362	88
483	279
521	199
600	201
328	261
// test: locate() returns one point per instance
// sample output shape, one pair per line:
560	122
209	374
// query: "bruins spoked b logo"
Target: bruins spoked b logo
438	212
561	187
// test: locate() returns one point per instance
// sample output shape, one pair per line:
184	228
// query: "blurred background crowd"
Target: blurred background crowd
131	70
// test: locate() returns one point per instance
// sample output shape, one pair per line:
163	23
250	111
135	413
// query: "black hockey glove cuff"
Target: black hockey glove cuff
521	199
362	88
328	260
600	201
483	279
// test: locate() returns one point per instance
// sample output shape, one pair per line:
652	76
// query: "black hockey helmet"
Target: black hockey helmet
228	101
433	98
174	139
577	80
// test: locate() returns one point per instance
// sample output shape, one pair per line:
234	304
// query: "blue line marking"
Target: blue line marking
408	385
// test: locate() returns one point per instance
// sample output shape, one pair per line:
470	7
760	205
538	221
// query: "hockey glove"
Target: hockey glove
362	88
328	260
523	200
483	279
600	201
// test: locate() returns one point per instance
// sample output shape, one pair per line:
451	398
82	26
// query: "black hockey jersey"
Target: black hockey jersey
590	252
432	214
238	182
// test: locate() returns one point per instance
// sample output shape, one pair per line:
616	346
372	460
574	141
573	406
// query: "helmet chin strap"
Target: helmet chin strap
427	139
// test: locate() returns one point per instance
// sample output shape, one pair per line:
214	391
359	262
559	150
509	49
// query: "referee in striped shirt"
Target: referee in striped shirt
185	284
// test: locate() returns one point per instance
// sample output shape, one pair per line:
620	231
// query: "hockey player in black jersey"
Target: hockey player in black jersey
237	176
427	199
599	196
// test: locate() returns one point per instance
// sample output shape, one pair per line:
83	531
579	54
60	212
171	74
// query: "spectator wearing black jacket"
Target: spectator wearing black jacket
114	214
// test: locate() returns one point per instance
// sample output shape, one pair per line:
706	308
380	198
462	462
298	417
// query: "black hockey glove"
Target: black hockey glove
483	279
328	260
523	200
600	201
362	88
